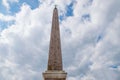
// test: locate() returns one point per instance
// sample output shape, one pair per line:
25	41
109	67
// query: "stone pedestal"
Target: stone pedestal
54	75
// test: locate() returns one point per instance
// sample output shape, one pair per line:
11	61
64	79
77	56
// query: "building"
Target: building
55	69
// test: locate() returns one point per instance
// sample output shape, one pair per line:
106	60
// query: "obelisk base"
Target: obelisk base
54	75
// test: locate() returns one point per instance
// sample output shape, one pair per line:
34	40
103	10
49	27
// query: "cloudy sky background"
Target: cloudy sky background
90	38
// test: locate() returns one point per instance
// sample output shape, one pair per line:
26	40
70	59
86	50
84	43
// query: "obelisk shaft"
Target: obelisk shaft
55	56
55	71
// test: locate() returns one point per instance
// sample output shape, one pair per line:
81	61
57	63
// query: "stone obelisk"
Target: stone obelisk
55	68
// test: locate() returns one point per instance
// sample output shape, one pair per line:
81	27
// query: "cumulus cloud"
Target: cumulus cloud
90	40
20	56
6	17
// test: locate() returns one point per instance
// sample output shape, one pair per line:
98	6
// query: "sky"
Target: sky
90	38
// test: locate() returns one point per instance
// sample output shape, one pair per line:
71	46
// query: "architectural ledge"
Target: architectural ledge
54	74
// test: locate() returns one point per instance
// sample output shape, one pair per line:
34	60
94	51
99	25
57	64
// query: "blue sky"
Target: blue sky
89	37
15	6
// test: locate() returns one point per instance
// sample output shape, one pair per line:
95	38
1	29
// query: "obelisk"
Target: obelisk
55	68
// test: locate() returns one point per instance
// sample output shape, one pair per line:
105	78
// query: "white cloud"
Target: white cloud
101	55
5	3
6	17
24	45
